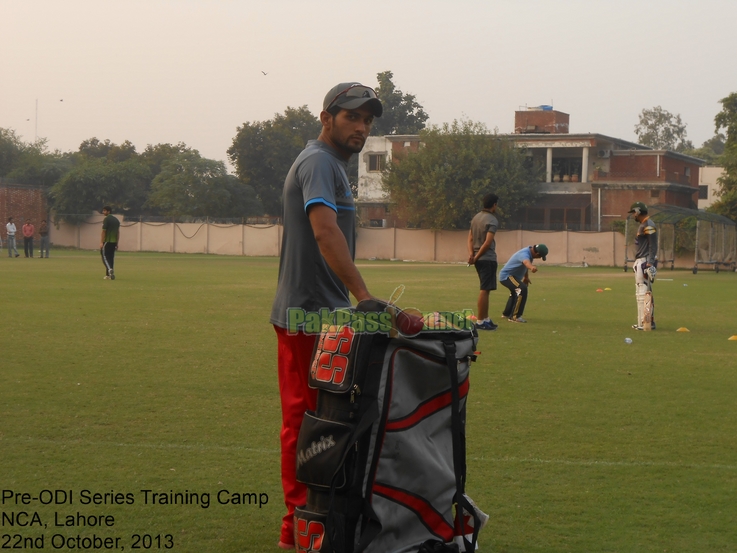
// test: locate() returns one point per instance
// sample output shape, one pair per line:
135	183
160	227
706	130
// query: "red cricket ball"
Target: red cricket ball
409	325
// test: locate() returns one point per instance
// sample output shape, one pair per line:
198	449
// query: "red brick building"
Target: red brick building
21	202
590	180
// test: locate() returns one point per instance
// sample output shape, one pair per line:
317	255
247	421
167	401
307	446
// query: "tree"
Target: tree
103	172
442	184
95	182
11	147
155	156
41	168
727	120
727	203
190	185
402	113
31	163
711	150
107	150
661	130
263	151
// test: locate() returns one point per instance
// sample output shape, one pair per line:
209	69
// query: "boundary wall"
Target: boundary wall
566	247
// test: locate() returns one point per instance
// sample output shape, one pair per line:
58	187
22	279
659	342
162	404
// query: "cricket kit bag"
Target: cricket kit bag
383	454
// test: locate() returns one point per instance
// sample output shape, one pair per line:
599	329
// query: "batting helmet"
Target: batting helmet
638	208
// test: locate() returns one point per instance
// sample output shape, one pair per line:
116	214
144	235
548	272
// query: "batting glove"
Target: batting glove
651	272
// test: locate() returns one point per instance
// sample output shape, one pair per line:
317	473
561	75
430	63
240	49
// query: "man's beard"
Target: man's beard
353	144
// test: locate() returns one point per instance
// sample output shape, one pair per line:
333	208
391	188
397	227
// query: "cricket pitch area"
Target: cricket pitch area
146	409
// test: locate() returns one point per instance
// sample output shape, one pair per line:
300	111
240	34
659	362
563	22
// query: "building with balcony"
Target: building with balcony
590	180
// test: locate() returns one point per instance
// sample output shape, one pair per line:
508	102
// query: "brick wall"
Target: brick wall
22	202
634	167
681	172
680	199
401	146
547	121
618	202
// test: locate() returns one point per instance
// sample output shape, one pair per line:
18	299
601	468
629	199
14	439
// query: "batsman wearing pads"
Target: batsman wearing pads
646	244
515	277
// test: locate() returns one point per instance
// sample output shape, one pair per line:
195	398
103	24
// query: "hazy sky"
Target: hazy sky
154	71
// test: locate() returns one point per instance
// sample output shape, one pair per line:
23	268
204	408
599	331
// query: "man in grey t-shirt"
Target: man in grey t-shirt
482	255
316	268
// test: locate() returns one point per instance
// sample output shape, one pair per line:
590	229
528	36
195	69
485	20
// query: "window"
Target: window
535	215
573	219
376	162
703	192
655	193
687	171
557	218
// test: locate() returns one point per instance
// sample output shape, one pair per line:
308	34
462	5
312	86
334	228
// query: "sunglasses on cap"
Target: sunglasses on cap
354	91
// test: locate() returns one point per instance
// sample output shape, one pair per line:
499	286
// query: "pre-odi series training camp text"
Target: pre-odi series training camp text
77	519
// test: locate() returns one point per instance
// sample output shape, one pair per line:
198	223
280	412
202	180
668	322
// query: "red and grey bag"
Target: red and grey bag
383	455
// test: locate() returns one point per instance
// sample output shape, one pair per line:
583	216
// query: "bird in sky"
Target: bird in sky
264	72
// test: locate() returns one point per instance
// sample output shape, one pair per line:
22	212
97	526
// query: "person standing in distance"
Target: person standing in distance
515	276
43	231
646	251
482	255
28	231
316	268
109	241
10	228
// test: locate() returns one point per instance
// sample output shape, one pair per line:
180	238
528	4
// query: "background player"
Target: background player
482	255
515	276
109	241
646	249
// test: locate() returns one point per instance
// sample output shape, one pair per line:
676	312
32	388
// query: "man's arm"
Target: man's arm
652	250
529	265
334	249
102	238
485	246
470	247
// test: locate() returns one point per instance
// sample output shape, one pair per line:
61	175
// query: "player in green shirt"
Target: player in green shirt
109	241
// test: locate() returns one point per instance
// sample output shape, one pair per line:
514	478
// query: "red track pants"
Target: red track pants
294	357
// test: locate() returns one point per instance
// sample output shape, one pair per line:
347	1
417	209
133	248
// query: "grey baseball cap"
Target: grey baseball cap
352	96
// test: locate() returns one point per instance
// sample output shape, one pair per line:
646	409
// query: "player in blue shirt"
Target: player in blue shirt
515	276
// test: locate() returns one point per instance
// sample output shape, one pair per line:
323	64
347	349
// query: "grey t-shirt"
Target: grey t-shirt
646	241
482	223
318	175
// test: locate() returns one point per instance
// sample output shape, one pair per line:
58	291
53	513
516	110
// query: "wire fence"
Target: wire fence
708	238
84	218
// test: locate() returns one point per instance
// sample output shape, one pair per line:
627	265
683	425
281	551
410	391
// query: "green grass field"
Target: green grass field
165	379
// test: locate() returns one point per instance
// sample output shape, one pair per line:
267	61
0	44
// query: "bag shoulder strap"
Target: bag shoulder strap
459	451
